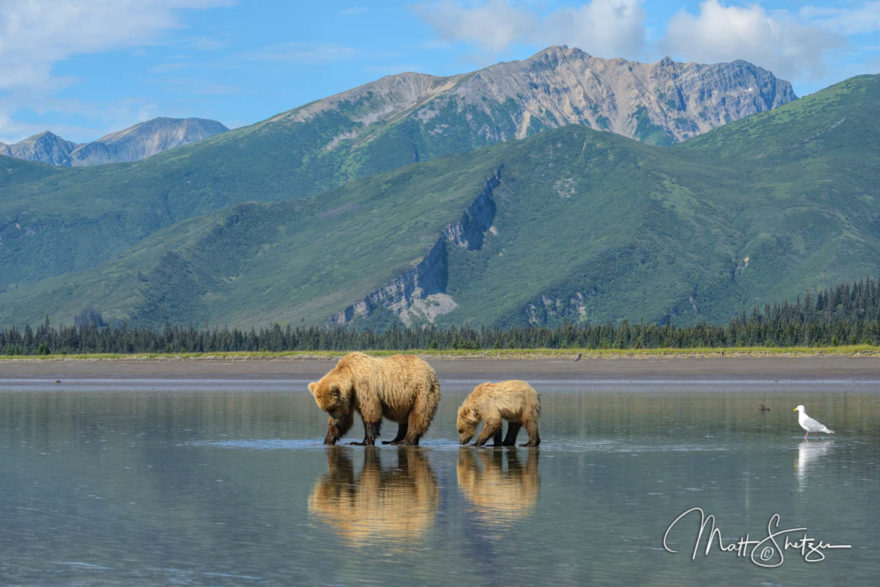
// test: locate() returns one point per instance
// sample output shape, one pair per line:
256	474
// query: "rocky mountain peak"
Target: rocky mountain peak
145	139
658	103
45	147
662	102
131	144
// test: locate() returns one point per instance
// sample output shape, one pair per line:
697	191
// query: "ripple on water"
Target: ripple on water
614	446
302	444
260	443
444	445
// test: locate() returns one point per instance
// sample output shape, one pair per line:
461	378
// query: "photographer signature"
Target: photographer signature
767	552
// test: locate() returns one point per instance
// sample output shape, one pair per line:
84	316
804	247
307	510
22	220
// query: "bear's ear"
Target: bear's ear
312	387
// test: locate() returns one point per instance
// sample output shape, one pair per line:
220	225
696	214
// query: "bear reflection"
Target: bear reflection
501	495
396	504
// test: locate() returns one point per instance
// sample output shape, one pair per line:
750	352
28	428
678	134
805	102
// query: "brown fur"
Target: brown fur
514	401
402	388
397	504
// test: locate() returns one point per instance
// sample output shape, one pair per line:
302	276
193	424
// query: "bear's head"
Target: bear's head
333	397
466	423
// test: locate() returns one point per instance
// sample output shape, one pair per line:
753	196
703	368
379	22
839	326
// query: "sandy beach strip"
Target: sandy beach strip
816	367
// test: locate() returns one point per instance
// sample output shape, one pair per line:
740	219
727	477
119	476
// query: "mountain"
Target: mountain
145	139
45	147
658	103
79	219
132	144
568	225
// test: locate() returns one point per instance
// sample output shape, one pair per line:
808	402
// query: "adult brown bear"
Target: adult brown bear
402	388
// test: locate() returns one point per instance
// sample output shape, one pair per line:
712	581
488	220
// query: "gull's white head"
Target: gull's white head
798	409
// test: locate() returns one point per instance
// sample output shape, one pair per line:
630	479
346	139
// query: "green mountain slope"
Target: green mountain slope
810	177
55	223
570	224
258	263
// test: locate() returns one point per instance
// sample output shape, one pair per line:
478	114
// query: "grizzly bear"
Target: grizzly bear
514	401
402	388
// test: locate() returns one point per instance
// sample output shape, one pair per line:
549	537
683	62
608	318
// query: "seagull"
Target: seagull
810	425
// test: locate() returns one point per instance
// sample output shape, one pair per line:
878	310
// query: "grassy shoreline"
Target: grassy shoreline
498	354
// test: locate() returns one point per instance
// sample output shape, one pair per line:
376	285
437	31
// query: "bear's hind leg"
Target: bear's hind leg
420	417
402	427
371	433
512	431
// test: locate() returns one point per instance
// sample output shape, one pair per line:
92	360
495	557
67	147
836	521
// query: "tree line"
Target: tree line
847	314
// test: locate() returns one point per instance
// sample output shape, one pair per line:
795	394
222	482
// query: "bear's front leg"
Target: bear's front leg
491	428
532	429
336	429
371	433
370	409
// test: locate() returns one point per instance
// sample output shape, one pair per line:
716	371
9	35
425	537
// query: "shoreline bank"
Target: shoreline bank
816	367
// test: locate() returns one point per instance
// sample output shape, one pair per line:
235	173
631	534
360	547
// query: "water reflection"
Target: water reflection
500	494
221	487
808	455
397	504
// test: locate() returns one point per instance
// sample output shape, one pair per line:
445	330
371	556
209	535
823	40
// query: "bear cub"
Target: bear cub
514	401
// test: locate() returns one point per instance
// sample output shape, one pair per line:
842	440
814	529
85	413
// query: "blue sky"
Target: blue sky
83	68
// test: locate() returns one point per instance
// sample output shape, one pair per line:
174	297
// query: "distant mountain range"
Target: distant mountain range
658	103
131	144
367	209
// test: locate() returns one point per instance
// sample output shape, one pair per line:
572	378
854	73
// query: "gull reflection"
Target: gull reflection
808	454
500	495
397	504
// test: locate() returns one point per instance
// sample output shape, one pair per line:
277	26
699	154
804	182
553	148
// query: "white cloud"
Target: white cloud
776	41
606	28
492	26
35	36
601	27
852	20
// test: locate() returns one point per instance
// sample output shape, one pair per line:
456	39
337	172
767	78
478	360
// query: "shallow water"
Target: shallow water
227	483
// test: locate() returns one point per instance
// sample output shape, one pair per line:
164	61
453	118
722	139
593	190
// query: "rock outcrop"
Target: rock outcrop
419	295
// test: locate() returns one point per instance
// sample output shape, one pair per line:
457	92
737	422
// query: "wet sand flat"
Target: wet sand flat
673	368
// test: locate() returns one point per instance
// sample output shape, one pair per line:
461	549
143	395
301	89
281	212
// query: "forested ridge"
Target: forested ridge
847	314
